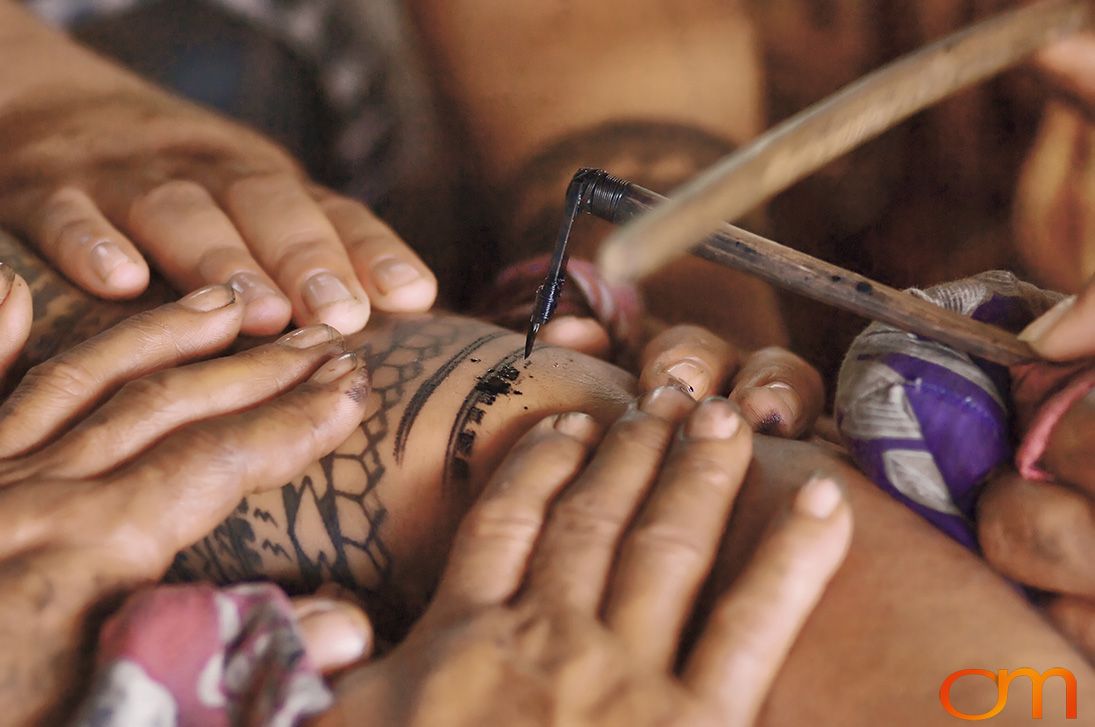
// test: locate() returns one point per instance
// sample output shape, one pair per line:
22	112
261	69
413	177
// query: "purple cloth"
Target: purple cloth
926	423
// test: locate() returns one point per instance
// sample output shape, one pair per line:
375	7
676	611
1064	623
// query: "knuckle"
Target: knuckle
587	518
153	392
63	375
669	543
258	184
215	447
299	250
503	519
705	471
642	431
63	205
177	194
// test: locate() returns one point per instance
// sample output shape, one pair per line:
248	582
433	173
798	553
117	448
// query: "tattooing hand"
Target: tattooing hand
572	580
111	461
102	171
778	392
1042	533
1067	331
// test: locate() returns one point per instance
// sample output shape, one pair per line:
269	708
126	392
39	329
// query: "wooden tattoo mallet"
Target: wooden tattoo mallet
596	192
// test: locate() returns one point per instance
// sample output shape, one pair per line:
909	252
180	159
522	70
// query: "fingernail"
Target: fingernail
7	279
818	498
391	273
209	298
1041	326
694	376
666	401
577	425
106	257
310	336
335	369
714	418
250	287
334	633
324	289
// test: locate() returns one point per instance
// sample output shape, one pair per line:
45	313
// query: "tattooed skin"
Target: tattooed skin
376	515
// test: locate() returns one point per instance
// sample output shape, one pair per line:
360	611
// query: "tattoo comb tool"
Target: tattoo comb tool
795	149
811	139
598	193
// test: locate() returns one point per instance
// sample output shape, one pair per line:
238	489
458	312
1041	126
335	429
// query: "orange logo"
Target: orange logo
1003	680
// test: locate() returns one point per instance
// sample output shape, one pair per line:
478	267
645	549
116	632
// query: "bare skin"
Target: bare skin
108	175
84	525
903	587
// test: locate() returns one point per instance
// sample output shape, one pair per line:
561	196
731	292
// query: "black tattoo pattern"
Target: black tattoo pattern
498	381
63	315
414	407
344	498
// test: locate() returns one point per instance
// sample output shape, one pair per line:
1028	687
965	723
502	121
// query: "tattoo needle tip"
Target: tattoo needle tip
530	338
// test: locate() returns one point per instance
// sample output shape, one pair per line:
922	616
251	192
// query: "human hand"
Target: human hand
779	393
1067	331
16	316
1042	533
97	181
570	584
110	462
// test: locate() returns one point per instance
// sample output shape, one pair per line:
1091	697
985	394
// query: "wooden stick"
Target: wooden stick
806	142
796	271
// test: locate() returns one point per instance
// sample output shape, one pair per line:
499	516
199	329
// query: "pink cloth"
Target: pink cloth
198	655
1042	393
586	294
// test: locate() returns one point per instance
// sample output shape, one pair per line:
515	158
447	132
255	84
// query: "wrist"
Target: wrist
36	61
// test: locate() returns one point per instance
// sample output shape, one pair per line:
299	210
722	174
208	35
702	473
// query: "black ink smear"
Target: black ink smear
418	401
498	381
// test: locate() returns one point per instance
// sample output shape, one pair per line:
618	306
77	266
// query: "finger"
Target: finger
54	393
1069	65
394	278
578	334
669	552
578	545
1066	331
200	473
703	362
336	633
490	553
294	241
194	243
778	392
16	316
1070	451
1038	533
751	629
1075	618
75	236
149	408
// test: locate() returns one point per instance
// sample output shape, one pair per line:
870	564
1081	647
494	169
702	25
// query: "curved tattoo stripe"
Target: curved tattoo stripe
497	381
418	401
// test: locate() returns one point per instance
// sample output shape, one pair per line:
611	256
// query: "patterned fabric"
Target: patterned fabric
926	422
196	655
